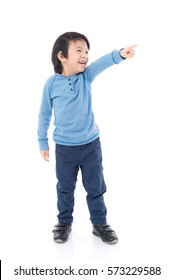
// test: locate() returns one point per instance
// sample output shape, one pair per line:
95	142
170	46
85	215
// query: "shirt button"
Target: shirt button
71	89
70	84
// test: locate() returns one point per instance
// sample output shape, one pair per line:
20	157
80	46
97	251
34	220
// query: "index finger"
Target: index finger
133	46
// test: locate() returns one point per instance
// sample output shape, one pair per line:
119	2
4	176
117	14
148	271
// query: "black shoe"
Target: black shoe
61	232
106	233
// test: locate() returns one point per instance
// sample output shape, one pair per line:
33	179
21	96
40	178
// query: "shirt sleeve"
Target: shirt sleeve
102	63
44	118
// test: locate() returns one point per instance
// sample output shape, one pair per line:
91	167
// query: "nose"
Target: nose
85	55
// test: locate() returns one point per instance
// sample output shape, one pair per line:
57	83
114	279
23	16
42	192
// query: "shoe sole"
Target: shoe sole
110	242
60	241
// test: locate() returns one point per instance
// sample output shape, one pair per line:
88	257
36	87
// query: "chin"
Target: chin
82	70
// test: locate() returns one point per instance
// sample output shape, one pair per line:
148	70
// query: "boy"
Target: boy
76	135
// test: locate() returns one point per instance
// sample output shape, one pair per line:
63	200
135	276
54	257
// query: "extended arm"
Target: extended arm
104	62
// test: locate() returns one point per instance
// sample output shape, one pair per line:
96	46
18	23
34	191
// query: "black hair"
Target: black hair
62	44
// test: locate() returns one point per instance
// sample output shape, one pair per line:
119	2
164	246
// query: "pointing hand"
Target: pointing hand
128	52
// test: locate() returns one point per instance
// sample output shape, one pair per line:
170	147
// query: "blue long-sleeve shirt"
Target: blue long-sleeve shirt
69	98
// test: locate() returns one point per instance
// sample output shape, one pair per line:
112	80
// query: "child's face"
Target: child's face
77	58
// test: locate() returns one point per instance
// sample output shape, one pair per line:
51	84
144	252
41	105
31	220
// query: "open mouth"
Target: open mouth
83	63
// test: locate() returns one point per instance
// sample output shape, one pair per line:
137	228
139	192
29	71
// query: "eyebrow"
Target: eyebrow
79	47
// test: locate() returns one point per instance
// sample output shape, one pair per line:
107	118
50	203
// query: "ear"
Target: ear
61	57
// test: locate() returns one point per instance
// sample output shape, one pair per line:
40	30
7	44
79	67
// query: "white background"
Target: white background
133	104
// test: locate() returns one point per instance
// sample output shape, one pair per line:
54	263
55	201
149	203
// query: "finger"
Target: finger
46	158
45	155
133	46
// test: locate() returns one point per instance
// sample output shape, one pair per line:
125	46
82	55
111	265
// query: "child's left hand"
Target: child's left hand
128	52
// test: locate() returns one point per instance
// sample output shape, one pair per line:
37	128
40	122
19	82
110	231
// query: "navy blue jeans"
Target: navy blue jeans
87	158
